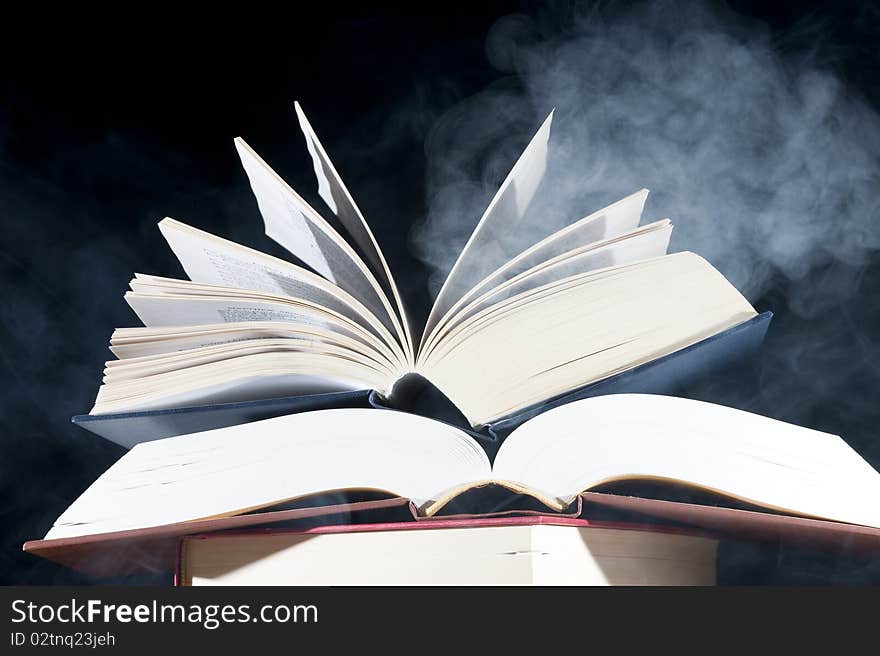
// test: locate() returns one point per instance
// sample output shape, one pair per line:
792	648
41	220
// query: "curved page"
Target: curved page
171	345
753	458
612	221
231	470
209	259
193	311
296	225
242	378
334	192
505	211
130	343
578	331
150	365
643	243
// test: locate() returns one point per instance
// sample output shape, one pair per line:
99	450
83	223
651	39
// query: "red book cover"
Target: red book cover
154	549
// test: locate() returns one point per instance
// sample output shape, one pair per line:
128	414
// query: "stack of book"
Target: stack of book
262	393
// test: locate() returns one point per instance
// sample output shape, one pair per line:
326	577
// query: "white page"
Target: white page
645	243
153	287
209	259
232	469
255	388
616	219
581	330
333	191
127	343
142	367
168	310
172	289
771	463
295	225
277	374
260	363
619	218
502	216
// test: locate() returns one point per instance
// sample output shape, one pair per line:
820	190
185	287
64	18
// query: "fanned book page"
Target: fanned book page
552	457
332	190
592	300
505	211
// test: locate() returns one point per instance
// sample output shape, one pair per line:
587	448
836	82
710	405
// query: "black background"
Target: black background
108	123
369	615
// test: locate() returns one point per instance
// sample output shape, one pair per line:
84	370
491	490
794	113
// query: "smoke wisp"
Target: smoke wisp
760	155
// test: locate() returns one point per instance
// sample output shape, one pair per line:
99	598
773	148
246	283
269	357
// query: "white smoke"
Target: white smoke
760	155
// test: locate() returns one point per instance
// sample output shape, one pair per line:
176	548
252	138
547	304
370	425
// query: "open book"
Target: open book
585	303
552	457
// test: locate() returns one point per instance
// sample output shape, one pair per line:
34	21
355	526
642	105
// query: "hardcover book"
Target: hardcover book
810	485
540	550
594	308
